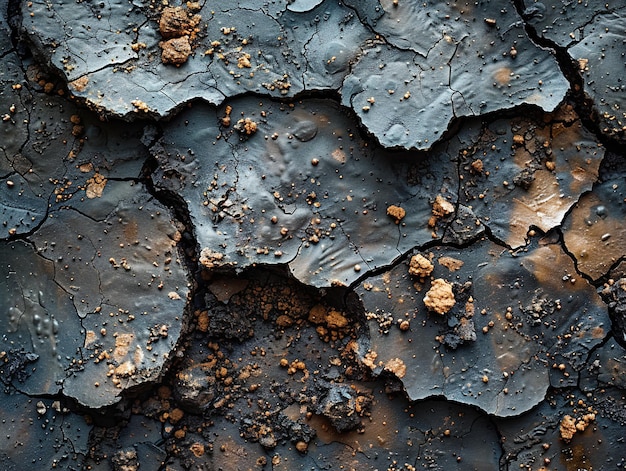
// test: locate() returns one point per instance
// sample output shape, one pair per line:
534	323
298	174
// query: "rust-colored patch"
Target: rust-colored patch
450	263
80	83
131	231
502	75
339	155
598	333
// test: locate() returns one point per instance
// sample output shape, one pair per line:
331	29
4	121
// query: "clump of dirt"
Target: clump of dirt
569	425
178	27
441	209
176	22
331	323
95	186
396	212
175	51
440	298
397	367
246	126
344	407
460	322
420	267
212	259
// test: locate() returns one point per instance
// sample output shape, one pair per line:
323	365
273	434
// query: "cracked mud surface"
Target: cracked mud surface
312	235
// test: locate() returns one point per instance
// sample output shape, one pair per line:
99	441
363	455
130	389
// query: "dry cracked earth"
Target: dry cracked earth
313	234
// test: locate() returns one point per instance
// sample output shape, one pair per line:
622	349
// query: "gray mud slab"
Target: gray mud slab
600	55
121	269
301	189
40	327
527	173
564	22
40	434
535	439
524	322
606	367
592	33
472	60
593	231
52	151
23	173
119	57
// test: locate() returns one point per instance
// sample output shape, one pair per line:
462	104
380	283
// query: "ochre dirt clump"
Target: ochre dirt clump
420	266
178	27
396	212
175	51
176	22
440	297
569	425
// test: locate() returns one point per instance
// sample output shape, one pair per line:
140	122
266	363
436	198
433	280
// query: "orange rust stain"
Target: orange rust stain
131	230
80	83
598	333
502	75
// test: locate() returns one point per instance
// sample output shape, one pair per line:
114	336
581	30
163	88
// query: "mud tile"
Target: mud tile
593	231
522	309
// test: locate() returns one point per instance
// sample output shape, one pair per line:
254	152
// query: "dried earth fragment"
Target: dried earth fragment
461	66
594	230
118	53
592	35
303	190
512	310
527	186
116	263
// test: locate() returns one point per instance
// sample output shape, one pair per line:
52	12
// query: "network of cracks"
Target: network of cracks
304	234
